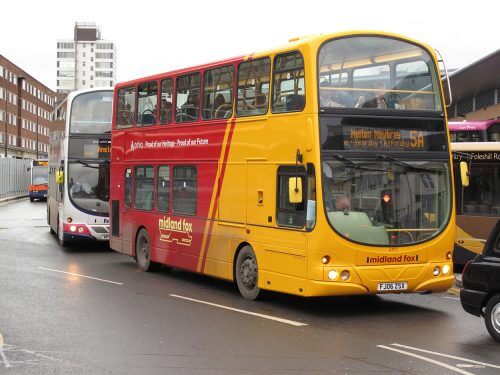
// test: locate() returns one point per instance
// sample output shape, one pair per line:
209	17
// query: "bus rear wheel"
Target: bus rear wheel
143	252
247	273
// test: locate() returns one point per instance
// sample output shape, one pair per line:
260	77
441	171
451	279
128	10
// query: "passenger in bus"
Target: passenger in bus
219	105
379	101
165	109
333	98
190	108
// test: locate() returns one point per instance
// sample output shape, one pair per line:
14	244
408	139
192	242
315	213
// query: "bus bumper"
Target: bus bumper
329	288
38	194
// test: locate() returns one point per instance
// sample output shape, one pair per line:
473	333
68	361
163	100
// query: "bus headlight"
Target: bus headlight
80	229
436	271
446	269
332	275
72	228
345	275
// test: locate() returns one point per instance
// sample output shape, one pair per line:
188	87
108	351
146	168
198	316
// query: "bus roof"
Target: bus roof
471	125
293	43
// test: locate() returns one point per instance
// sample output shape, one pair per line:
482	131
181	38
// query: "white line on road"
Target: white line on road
455	298
447	356
460	371
76	274
2	354
286	321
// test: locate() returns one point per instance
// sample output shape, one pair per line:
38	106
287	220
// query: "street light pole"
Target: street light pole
37	109
5	122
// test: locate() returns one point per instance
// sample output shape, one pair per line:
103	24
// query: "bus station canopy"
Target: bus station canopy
477	77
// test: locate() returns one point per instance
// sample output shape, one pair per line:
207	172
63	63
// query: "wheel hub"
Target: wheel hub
495	317
249	273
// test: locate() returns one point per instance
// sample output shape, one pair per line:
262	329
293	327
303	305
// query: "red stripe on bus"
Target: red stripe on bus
217	195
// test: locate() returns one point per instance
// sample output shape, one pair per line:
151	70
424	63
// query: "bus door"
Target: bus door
127	217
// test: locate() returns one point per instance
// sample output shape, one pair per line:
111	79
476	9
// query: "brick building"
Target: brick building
25	113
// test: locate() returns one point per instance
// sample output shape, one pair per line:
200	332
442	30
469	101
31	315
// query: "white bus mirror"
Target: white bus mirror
59	177
464	173
295	189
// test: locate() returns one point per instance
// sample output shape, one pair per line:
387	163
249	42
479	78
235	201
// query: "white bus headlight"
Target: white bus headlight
332	275
436	271
446	269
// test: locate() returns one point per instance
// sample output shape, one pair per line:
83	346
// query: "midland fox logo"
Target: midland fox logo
179	231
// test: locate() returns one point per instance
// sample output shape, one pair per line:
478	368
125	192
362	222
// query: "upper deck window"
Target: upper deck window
253	87
126	107
188	98
167	93
91	113
218	93
377	72
288	83
147	98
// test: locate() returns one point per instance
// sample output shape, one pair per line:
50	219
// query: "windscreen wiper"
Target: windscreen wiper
85	164
406	165
353	165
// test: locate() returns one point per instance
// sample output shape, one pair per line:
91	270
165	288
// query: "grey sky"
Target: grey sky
158	36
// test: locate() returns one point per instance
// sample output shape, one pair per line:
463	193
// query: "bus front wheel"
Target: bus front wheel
143	251
247	273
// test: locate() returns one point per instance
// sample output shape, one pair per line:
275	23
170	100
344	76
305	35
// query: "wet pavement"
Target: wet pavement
88	310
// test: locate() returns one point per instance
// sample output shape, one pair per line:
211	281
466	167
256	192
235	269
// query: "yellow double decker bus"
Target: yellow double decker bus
318	168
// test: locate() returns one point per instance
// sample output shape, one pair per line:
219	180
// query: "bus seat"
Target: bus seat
295	103
483	209
148	119
469	208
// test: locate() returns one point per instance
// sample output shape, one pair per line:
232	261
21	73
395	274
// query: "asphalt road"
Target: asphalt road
88	310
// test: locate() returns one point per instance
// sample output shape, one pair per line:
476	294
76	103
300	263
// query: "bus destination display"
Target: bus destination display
359	138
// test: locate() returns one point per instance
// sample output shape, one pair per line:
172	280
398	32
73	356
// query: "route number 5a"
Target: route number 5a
416	139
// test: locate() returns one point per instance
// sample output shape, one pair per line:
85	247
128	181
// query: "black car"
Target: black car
480	295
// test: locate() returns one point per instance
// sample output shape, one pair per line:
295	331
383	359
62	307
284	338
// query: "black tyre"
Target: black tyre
143	252
247	273
32	199
60	237
492	317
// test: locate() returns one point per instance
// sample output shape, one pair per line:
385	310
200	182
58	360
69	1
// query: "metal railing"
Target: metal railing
14	177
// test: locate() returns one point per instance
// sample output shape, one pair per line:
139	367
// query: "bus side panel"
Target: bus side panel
232	207
472	233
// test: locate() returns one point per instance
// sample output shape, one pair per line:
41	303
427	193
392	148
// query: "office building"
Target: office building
86	61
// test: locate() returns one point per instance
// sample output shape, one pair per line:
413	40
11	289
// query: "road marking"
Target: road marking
77	274
455	298
2	354
447	356
286	321
442	364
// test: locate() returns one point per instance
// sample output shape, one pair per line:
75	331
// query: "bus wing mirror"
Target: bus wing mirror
59	177
295	189
464	173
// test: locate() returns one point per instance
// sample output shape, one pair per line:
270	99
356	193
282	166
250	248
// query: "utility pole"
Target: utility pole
5	122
